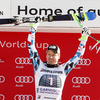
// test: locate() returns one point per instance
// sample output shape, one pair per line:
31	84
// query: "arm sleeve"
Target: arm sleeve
32	49
74	60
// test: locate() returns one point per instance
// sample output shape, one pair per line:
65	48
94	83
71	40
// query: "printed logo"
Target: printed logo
50	71
23	79
81	80
49	91
23	97
80	97
86	62
95	47
2	79
52	47
23	60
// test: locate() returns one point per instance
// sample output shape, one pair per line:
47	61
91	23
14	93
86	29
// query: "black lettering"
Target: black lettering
45	11
58	12
79	9
99	12
19	10
33	11
1	12
92	10
71	10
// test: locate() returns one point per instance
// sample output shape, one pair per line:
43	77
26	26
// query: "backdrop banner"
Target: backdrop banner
17	74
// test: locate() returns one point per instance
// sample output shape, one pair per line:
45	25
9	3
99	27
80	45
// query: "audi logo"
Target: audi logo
2	79
84	62
23	79
23	97
81	80
2	97
80	97
23	60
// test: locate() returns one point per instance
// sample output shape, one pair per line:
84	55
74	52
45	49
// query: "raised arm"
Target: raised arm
31	46
80	51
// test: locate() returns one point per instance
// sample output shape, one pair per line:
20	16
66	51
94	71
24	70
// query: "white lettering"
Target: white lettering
45	45
9	45
13	45
76	86
2	44
39	46
23	44
42	45
19	85
19	66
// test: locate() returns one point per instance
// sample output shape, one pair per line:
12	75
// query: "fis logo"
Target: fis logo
95	47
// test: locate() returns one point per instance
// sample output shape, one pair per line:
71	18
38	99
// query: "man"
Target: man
49	76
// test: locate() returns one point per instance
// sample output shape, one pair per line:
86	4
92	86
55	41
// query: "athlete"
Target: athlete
49	76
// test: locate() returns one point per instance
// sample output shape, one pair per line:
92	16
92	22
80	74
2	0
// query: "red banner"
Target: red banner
16	70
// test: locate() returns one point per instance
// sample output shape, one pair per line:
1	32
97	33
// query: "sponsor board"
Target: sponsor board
26	8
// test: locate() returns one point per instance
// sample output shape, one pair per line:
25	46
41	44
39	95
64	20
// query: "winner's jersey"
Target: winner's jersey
49	82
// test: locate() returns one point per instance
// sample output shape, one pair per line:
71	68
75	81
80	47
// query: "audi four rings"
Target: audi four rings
30	97
2	79
26	60
23	97
23	79
22	60
84	62
80	97
81	80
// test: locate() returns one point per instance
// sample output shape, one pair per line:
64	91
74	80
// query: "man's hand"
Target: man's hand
33	28
85	33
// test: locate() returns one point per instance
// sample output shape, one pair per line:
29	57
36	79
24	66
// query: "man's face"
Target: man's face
52	58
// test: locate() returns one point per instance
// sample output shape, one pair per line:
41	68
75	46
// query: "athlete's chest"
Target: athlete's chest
50	77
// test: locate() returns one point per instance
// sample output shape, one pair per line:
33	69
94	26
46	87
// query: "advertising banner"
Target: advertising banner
30	8
17	74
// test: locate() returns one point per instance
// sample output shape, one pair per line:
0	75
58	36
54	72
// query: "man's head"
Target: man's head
53	54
